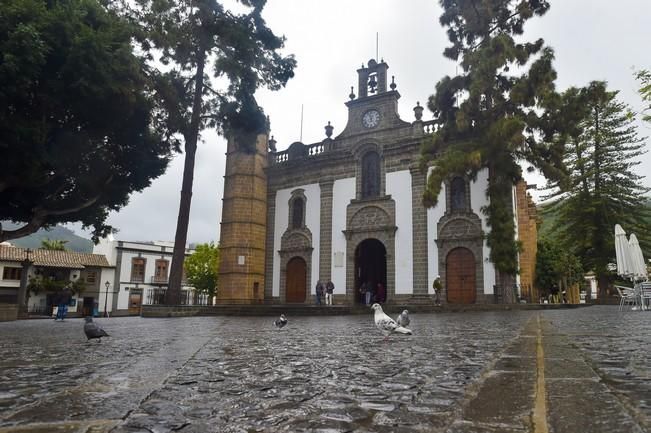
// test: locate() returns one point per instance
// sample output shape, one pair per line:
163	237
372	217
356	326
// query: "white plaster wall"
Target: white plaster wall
312	221
343	191
478	200
434	214
398	185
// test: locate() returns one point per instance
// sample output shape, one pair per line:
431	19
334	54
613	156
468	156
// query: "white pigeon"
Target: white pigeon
386	324
403	319
282	321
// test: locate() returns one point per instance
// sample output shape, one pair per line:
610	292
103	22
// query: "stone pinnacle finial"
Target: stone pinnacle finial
328	129
418	111
352	93
393	82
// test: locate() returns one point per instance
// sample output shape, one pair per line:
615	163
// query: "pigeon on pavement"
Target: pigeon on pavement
282	321
386	324
92	330
403	319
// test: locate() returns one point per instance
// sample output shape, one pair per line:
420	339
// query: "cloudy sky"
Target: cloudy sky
593	40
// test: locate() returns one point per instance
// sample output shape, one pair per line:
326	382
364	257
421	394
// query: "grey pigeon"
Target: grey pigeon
403	319
386	324
282	321
92	330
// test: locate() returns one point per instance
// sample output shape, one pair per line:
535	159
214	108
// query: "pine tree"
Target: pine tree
644	77
492	117
193	38
602	190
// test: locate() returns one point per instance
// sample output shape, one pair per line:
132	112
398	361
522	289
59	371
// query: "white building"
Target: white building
19	265
141	274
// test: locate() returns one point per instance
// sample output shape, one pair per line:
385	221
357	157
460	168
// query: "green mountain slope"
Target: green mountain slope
75	243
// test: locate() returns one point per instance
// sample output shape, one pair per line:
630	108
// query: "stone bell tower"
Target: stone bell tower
244	223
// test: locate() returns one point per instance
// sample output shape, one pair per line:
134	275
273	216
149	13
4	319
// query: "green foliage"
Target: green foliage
49	284
602	189
202	268
556	267
489	117
53	244
644	77
76	126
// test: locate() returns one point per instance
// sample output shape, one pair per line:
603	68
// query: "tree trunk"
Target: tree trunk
173	293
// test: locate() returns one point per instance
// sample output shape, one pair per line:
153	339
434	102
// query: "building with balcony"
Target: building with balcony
142	273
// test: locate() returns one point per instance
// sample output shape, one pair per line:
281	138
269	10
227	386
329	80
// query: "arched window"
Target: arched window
458	194
297	213
370	175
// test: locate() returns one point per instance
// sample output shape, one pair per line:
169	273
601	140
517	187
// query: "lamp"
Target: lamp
106	284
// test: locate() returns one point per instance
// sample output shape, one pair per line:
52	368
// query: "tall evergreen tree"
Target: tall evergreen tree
644	76
603	190
192	38
498	111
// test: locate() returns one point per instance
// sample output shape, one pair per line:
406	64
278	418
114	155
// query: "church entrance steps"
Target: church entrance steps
333	310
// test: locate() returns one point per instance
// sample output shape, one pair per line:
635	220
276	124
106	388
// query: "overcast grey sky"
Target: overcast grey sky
593	40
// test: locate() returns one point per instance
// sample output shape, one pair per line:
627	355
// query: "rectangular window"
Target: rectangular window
160	275
12	273
138	270
91	276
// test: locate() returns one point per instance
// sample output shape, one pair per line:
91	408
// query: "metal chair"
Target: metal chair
645	295
627	296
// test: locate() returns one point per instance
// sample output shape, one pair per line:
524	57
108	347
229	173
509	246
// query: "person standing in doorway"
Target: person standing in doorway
437	290
380	294
63	301
369	292
329	290
319	292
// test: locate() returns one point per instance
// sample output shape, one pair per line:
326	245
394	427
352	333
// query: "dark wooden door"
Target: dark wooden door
460	276
296	280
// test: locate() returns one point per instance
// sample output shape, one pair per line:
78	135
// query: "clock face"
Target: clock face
371	119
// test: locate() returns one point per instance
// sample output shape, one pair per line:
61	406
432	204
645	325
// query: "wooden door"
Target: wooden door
460	277
135	301
296	280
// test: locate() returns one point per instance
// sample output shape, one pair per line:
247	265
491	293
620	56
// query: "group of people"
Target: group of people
370	293
326	290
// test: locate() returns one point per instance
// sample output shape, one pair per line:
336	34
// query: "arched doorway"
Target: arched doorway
460	276
370	266
296	280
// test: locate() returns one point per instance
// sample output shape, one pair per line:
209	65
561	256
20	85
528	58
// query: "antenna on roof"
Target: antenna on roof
301	136
377	45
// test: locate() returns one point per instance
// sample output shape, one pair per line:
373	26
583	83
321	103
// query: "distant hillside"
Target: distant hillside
75	243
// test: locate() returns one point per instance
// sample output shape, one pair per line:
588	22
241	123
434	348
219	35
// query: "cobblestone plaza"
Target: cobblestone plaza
587	369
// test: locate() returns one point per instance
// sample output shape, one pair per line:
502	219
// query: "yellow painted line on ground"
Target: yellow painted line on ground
540	408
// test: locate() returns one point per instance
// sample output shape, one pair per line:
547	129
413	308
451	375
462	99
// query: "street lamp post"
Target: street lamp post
106	284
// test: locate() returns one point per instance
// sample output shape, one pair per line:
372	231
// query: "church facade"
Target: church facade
349	209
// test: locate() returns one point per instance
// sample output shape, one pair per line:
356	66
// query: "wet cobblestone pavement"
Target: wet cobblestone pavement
323	374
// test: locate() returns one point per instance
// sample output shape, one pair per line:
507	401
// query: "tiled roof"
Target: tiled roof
52	258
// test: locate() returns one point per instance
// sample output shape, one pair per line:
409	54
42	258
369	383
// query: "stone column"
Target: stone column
420	231
244	224
325	243
270	253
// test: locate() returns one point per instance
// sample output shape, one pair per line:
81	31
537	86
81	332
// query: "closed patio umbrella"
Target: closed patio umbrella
622	251
638	268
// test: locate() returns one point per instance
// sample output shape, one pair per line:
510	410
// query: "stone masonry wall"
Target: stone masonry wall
528	236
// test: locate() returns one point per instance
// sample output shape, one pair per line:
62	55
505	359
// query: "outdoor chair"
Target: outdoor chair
627	296
645	294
